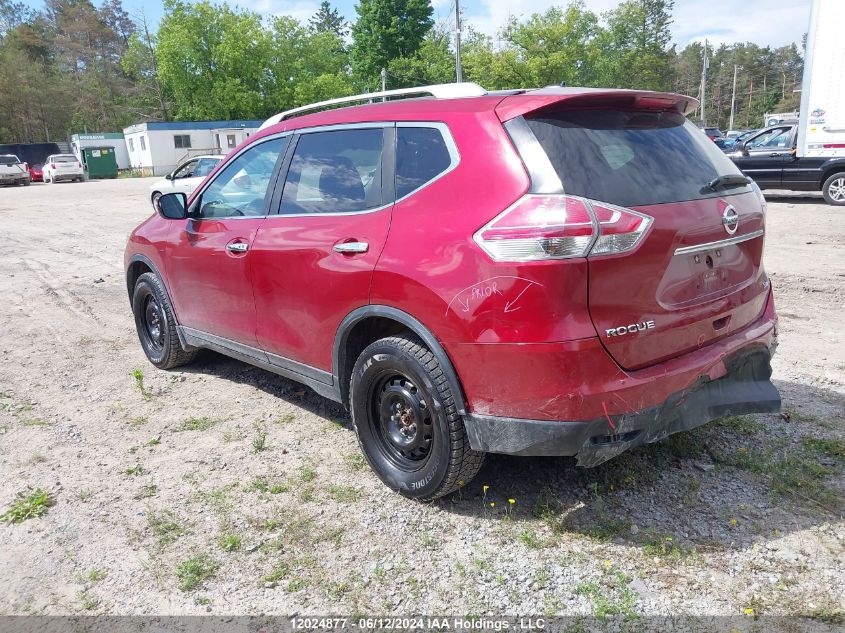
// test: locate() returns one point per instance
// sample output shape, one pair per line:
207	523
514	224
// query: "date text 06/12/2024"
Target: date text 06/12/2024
304	623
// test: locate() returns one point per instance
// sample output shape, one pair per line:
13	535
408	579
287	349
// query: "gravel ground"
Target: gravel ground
229	490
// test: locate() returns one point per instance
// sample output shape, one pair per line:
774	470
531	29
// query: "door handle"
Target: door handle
237	247
351	247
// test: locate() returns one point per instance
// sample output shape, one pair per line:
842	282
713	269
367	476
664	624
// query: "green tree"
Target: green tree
213	59
327	20
386	30
557	46
433	63
636	47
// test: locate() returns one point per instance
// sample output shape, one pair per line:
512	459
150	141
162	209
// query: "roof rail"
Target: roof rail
438	91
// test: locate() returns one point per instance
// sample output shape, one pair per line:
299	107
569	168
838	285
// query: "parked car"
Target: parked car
60	167
186	177
35	173
426	261
730	142
770	158
13	171
713	133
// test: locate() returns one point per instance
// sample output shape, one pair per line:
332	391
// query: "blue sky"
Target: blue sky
774	22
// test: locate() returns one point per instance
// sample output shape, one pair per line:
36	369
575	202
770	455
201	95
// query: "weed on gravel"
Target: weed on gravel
165	526
197	424
194	571
28	504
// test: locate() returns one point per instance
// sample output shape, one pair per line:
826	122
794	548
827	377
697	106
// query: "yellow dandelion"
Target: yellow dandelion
511	501
749	611
608	563
492	504
733	522
485	489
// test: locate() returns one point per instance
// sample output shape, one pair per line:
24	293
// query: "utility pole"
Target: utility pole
733	97
384	82
459	73
704	66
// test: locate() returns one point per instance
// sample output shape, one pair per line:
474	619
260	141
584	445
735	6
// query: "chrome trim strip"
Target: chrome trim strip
698	248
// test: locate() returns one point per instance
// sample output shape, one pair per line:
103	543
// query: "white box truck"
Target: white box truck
808	155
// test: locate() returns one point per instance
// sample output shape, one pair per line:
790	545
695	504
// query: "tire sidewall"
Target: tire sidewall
143	288
826	191
421	483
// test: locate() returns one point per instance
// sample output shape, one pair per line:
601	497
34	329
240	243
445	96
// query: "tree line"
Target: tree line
79	67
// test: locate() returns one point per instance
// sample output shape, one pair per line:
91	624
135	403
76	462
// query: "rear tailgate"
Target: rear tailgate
689	284
696	275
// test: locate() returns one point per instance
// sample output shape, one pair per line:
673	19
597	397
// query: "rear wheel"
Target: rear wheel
154	199
405	418
156	324
834	189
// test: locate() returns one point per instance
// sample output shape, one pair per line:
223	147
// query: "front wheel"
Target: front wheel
156	324
833	189
154	199
405	418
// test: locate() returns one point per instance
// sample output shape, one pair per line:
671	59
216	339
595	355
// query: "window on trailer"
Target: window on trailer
182	141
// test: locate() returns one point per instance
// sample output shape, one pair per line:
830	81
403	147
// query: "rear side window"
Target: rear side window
631	158
335	172
421	156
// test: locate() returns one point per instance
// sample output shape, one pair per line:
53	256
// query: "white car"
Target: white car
186	177
60	167
13	171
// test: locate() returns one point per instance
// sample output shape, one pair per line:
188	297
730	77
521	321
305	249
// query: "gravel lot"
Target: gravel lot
226	489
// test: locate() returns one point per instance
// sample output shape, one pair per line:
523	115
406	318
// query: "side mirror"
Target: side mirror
170	176
172	206
739	146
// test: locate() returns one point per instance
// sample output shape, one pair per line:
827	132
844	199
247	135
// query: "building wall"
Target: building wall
161	155
106	139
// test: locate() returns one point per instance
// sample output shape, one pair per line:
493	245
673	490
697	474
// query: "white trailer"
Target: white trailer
821	124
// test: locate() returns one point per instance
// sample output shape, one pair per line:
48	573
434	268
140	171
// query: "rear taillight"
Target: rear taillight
79	165
540	227
52	165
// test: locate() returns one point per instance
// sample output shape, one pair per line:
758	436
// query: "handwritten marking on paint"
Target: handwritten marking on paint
492	288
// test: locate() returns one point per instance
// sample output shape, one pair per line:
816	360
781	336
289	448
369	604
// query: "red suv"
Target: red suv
563	271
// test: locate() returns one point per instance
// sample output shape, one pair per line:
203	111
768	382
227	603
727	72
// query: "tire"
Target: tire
154	198
405	418
833	189
156	324
47	181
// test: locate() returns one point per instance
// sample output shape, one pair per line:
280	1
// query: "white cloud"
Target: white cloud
773	22
302	10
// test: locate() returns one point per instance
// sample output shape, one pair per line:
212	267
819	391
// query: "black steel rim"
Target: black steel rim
401	421
154	323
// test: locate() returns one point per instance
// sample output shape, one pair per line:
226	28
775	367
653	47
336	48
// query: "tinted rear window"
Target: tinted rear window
421	156
65	158
631	158
9	160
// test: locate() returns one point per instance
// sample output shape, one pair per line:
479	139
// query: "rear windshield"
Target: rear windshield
8	159
64	159
631	158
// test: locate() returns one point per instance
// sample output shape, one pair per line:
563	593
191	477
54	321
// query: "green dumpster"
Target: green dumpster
100	162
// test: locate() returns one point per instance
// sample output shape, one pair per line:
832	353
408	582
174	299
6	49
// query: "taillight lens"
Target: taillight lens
540	227
52	165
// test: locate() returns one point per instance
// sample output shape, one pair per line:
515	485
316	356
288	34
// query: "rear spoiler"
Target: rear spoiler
517	105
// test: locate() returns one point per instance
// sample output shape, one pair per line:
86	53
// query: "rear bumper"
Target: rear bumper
745	388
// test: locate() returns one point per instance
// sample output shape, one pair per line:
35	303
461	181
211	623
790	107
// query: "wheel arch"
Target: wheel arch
369	323
830	170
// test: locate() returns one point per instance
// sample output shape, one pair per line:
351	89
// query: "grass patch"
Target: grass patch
137	421
195	570
132	471
610	596
29	504
662	546
230	542
165	526
279	573
345	494
355	461
307	474
36	422
530	539
259	440
93	576
145	492
285	418
197	424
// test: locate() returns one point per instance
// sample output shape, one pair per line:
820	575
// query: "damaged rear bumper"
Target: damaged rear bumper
745	388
